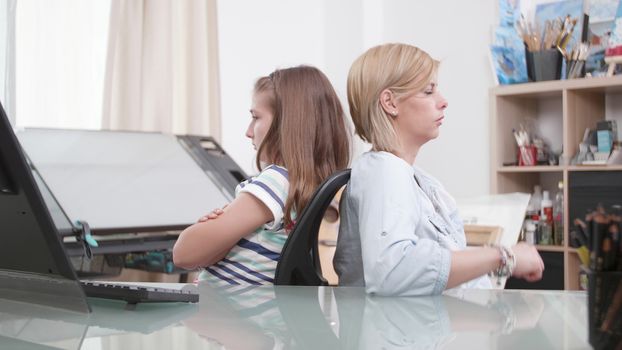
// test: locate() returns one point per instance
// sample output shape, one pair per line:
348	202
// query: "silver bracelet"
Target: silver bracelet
507	264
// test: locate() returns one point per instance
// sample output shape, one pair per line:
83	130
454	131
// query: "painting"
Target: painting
480	235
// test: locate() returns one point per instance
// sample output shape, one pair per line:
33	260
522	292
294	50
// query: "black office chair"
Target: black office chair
300	262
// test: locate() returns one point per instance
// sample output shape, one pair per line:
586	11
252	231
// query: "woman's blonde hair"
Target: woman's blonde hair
402	69
308	134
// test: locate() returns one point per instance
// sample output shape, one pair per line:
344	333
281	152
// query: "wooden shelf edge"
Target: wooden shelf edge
530	169
557	168
615	167
550	248
556	86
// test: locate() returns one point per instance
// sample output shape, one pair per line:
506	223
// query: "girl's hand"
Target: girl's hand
213	215
529	264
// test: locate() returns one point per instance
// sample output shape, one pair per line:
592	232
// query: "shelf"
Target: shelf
556	168
550	248
529	169
555	87
561	110
594	168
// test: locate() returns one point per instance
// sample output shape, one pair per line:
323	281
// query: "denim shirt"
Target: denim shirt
398	228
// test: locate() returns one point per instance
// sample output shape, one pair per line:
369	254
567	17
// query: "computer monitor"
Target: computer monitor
33	264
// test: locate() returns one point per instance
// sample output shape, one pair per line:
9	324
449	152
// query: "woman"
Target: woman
400	232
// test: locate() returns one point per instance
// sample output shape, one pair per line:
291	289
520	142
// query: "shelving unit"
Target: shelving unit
567	108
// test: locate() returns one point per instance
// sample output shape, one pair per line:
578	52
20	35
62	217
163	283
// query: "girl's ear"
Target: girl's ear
388	102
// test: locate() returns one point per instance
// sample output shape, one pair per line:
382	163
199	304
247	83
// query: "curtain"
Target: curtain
60	56
162	67
7	57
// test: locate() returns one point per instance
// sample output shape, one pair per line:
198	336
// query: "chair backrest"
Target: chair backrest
300	263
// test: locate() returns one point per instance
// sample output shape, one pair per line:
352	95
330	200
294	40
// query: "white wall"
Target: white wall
459	38
257	37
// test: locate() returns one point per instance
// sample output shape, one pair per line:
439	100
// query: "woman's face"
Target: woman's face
420	115
262	116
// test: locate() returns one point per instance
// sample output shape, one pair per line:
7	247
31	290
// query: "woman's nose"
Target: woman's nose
443	103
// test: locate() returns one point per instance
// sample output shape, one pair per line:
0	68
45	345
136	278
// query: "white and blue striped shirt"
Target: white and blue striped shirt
254	258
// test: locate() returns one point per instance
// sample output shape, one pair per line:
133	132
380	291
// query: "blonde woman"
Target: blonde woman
400	232
298	128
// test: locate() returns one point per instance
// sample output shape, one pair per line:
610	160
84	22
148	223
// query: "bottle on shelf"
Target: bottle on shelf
545	230
558	216
547	207
530	232
535	202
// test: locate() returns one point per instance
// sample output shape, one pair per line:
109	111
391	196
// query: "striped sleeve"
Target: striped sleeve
271	187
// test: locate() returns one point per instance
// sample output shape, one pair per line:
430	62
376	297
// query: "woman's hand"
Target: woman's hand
529	264
213	215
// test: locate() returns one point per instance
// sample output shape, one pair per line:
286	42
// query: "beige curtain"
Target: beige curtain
7	57
162	67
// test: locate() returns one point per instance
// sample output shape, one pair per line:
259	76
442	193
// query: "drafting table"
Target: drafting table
132	191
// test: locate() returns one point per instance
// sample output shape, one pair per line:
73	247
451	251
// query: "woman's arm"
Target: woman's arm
472	263
205	243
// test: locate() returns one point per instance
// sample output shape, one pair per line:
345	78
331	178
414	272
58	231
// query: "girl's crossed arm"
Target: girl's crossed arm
207	242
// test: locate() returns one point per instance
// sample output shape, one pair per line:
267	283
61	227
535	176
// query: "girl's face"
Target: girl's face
420	115
262	116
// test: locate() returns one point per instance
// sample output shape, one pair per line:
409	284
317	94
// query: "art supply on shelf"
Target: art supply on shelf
545	48
527	153
558	215
601	231
575	61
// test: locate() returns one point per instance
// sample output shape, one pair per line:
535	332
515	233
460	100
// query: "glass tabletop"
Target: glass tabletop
282	317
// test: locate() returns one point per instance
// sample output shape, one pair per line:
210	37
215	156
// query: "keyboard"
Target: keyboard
134	293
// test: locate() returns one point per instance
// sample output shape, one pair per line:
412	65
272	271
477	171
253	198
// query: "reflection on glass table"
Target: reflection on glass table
347	318
281	317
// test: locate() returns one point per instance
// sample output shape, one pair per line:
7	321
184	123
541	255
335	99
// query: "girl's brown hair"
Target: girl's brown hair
308	135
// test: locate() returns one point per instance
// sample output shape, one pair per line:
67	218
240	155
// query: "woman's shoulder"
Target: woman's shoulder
380	166
380	162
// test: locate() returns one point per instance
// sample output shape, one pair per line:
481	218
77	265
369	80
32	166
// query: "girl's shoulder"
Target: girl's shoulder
271	172
274	170
273	179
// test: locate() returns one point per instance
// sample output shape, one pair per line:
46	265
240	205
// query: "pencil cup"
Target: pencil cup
544	65
605	309
527	155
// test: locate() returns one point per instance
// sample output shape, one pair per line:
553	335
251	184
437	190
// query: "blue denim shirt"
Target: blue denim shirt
398	228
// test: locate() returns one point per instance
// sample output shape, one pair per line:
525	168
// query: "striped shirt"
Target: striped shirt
253	259
253	307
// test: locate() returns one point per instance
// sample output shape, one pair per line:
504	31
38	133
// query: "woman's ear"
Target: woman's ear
388	102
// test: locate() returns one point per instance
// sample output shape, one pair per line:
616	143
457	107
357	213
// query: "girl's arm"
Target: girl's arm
205	243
